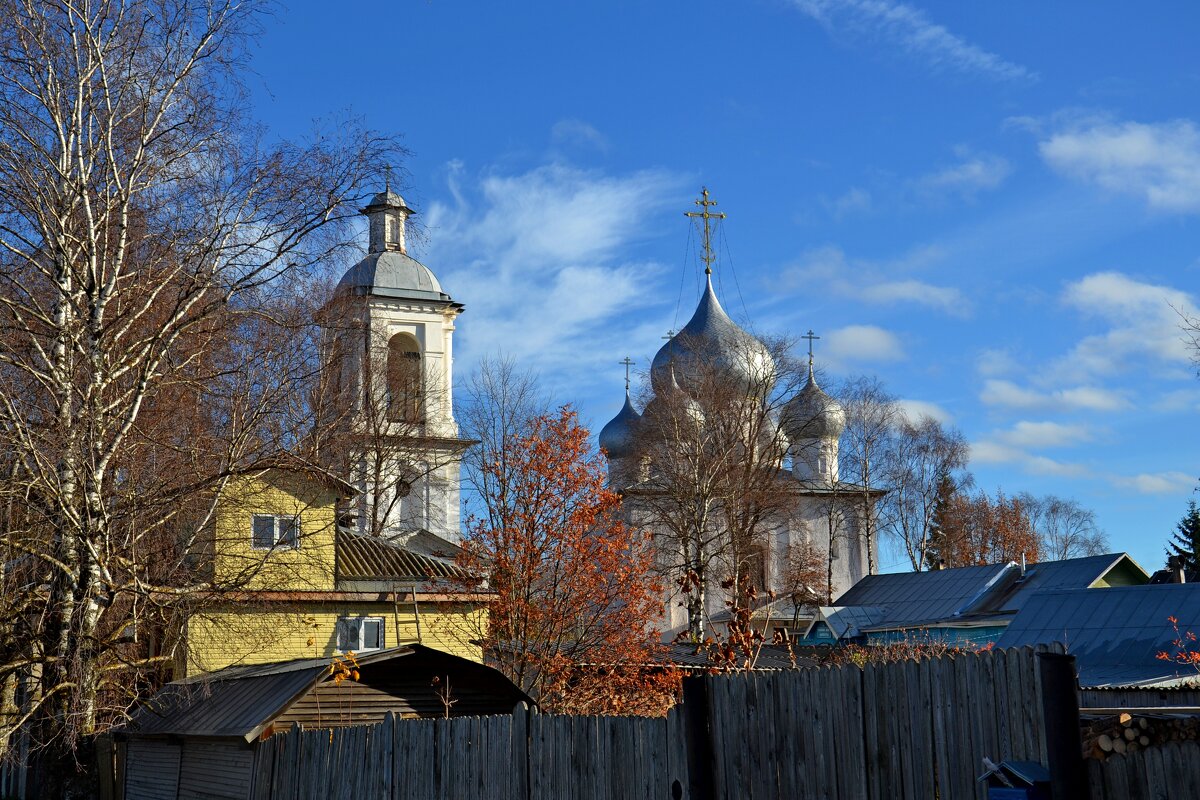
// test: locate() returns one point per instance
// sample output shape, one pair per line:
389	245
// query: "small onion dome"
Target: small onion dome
712	346
618	437
812	414
659	413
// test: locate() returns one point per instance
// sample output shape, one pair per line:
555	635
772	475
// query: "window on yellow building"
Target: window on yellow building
359	634
269	531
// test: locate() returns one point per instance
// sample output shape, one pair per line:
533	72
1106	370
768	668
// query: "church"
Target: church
735	470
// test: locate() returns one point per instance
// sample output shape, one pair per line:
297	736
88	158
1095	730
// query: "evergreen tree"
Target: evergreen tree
1185	542
940	552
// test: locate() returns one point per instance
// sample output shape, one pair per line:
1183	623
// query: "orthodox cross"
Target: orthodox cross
708	258
810	336
628	362
670	334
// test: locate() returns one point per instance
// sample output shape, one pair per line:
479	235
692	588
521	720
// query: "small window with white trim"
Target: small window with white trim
269	531
359	634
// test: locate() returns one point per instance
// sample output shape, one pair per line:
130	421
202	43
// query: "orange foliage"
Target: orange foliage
576	599
977	529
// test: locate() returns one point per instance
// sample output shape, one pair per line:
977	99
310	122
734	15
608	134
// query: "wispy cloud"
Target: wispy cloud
913	410
853	200
1043	434
863	343
1156	482
829	269
1159	162
1143	325
1088	398
909	29
989	451
542	261
971	174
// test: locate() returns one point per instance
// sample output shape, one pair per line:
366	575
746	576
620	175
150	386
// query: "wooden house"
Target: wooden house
198	737
289	582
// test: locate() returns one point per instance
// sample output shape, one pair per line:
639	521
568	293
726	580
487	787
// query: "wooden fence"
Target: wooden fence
1168	772
906	731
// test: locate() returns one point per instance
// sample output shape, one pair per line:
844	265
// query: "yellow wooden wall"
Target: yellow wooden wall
309	567
258	634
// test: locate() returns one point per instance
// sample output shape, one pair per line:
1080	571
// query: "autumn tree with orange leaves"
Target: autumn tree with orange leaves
970	529
572	622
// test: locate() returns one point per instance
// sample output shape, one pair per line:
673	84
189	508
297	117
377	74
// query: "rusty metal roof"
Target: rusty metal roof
241	701
371	558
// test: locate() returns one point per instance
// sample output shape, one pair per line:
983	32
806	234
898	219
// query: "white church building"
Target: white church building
816	511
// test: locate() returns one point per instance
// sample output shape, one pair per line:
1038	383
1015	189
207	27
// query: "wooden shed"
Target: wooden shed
197	737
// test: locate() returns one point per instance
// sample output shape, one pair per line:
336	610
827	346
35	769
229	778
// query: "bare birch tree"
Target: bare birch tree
143	221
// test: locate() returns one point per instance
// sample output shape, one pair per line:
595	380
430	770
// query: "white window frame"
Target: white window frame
360	623
278	529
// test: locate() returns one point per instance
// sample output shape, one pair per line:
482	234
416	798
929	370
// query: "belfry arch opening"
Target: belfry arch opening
405	380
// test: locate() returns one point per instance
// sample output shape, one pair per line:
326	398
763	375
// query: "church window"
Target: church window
269	531
359	634
404	378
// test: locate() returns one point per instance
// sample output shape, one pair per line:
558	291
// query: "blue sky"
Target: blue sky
992	207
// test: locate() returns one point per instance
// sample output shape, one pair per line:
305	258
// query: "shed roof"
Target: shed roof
993	591
1115	634
241	701
371	558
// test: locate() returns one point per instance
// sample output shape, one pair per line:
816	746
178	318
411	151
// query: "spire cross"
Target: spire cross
810	336
708	258
628	362
670	334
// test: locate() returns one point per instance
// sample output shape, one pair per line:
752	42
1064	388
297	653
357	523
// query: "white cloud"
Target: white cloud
863	343
851	201
992	363
992	452
1028	434
971	175
577	132
912	31
1089	398
1159	162
1144	324
1157	482
540	259
913	410
1179	400
828	269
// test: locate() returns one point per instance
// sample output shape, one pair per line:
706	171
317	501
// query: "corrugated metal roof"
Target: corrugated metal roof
370	558
1115	633
238	702
994	590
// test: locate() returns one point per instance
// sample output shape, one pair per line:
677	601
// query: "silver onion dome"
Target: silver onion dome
711	347
618	437
812	414
659	414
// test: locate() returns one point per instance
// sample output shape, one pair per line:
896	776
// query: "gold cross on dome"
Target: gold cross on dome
708	258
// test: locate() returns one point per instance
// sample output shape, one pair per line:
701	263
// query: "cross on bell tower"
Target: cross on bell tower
705	204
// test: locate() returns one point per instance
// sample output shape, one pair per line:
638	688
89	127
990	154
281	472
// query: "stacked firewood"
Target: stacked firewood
1127	733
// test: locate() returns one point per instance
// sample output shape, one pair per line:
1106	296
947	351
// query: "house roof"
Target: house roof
1115	634
990	592
241	701
371	558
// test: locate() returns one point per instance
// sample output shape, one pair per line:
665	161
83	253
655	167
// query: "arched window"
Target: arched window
404	378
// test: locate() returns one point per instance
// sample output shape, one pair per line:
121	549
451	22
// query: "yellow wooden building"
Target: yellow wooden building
290	583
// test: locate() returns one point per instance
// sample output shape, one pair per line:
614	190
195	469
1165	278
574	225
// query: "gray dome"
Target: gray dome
618	437
812	414
387	199
393	274
711	341
658	411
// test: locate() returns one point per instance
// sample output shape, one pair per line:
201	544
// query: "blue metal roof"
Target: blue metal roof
970	593
1116	633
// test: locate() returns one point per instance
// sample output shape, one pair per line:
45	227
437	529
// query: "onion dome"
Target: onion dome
812	414
712	347
660	414
388	270
618	437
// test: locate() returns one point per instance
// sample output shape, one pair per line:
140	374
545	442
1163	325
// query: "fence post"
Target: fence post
1060	714
697	726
